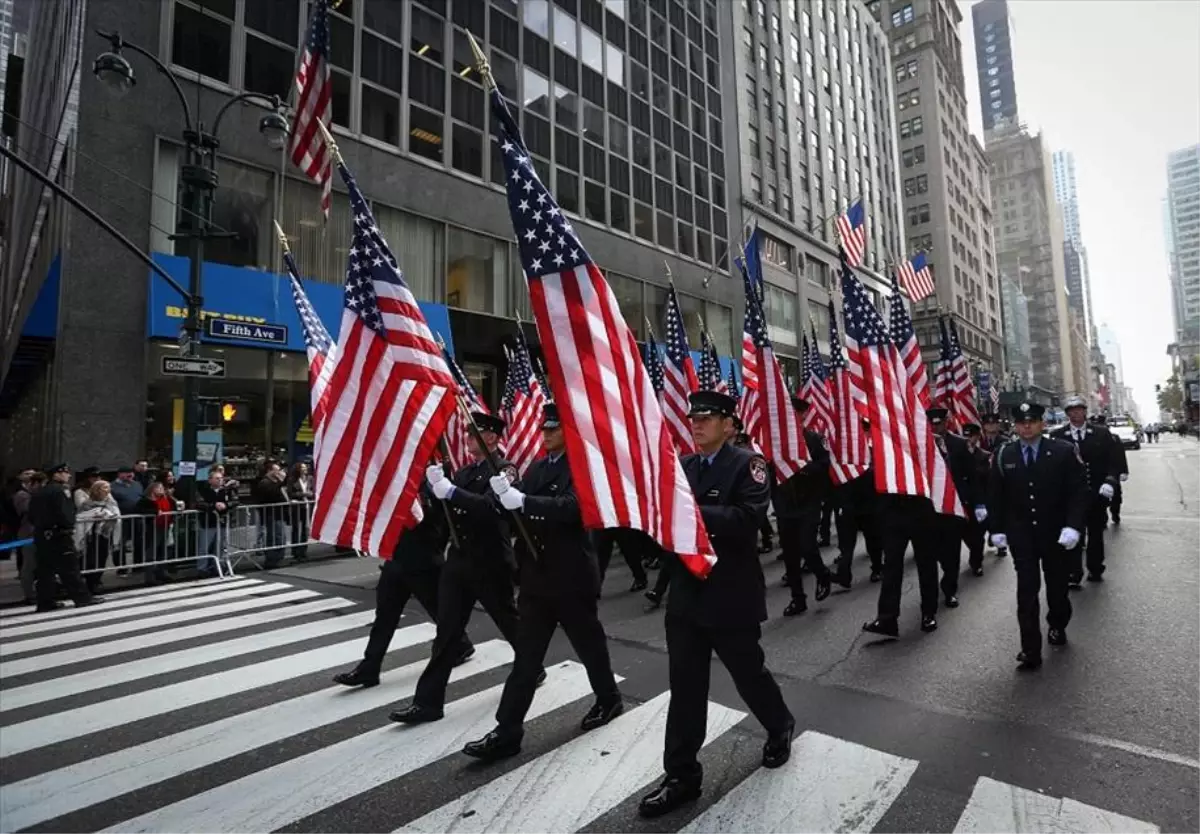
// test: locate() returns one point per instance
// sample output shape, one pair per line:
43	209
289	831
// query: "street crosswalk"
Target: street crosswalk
207	708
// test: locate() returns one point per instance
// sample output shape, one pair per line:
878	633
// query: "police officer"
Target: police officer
975	531
1114	506
559	583
52	514
413	571
1101	453
906	519
995	435
1037	505
951	528
480	567
721	613
798	502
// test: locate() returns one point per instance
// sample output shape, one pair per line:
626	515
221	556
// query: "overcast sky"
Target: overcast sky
1117	82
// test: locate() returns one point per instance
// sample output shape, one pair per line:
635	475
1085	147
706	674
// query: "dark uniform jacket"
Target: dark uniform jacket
962	471
733	494
421	549
990	445
1031	505
808	487
982	462
565	563
481	525
1102	453
51	510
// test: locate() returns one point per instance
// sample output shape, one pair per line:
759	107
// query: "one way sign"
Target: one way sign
193	366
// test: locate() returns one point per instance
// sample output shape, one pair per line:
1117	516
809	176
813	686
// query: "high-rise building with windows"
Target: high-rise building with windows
1074	253
816	129
944	172
1183	241
994	63
624	104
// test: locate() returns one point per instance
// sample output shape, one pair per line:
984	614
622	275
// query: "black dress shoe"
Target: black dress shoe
977	571
1057	637
843	577
1116	521
1075	580
655	598
358	676
765	548
1028	661
541	678
824	586
876	575
888	628
1001	552
493	747
415	714
671	794
600	714
465	655
84	603
928	623
1095	577
796	606
638	585
952	601
778	748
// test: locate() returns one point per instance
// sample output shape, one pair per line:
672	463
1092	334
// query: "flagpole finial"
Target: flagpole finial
282	238
329	143
481	64
670	277
441	342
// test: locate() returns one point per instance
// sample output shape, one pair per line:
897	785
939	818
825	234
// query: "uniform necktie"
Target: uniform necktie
1029	456
1078	435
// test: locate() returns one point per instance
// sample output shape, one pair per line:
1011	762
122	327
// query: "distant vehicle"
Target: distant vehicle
1126	431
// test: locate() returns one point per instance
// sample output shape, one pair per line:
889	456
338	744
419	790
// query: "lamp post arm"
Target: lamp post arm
262	99
117	42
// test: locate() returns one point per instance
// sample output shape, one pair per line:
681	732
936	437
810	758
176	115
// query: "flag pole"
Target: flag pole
282	238
444	448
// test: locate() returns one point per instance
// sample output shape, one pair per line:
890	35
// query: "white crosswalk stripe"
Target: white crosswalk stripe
135	596
299	753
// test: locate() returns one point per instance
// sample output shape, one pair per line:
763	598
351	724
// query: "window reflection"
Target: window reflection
241	205
536	93
427	35
564	32
417	244
566	108
592	51
475	271
614	67
535	14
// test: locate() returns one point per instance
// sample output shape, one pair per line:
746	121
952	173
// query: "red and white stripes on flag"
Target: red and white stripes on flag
524	402
314	103
904	337
390	396
318	346
995	395
852	230
815	389
965	410
748	409
916	277
458	432
679	376
943	371
849	442
624	465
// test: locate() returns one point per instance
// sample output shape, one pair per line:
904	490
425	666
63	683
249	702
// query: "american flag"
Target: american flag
916	277
943	373
523	404
850	444
731	383
995	393
906	458
965	410
852	229
748	404
390	396
317	345
314	102
652	359
817	390
680	378
458	433
780	434
624	464
709	373
905	339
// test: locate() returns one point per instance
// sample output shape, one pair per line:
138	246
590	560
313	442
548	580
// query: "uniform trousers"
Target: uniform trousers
1032	562
56	559
1091	541
1115	505
690	647
974	537
666	564
903	521
827	509
631	549
798	540
856	513
766	532
396	587
459	587
950	530
540	615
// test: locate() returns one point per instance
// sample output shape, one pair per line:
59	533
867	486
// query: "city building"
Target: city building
946	188
624	104
1183	256
816	131
1015	306
994	64
1074	252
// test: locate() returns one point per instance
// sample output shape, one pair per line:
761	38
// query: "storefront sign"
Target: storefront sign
193	366
270	334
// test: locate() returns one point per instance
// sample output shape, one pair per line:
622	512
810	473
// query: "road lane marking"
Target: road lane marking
996	806
133	596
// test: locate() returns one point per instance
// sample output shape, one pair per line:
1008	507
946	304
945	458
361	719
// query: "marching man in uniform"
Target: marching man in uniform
719	614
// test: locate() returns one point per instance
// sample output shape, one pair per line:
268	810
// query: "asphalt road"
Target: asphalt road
181	728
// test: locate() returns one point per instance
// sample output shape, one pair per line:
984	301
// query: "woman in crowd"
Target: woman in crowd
299	489
157	531
97	532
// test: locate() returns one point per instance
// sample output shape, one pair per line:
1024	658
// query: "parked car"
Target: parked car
1126	431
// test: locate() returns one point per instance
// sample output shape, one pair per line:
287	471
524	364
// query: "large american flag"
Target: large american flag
819	416
524	400
852	230
390	396
317	345
965	410
849	443
624	464
780	434
458	433
904	337
679	374
652	359
314	102
748	409
709	374
916	277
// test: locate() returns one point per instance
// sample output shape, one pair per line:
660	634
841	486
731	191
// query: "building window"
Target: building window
201	41
781	314
476	270
776	251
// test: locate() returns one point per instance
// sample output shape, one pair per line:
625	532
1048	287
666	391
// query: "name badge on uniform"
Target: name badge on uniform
713	493
1010	466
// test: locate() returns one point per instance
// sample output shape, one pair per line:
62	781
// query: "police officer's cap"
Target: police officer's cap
90	472
937	414
51	468
971	429
800	403
488	422
550	418
704	403
1028	411
1074	402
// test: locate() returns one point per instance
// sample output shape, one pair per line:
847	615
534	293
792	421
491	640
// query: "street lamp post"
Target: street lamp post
199	179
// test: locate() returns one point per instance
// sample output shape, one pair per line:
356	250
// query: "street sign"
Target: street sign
271	334
193	366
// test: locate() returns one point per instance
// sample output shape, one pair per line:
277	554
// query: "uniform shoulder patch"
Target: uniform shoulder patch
509	471
758	469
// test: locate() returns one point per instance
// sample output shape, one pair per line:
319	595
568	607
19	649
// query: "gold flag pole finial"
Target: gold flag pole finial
481	64
329	143
282	238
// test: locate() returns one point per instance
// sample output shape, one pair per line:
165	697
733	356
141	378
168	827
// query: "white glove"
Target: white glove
981	514
1068	538
1124	476
999	541
1106	491
434	474
441	488
500	484
511	498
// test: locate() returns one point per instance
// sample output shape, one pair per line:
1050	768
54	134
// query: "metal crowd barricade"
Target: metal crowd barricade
147	543
264	534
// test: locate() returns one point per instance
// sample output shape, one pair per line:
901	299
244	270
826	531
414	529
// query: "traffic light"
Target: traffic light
234	412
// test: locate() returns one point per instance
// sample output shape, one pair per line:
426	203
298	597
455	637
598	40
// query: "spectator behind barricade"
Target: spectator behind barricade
127	491
299	489
168	482
143	475
231	483
97	532
215	500
158	531
31	482
10	519
269	495
83	485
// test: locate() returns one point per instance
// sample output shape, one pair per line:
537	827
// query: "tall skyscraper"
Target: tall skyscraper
1074	253
1183	242
994	63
